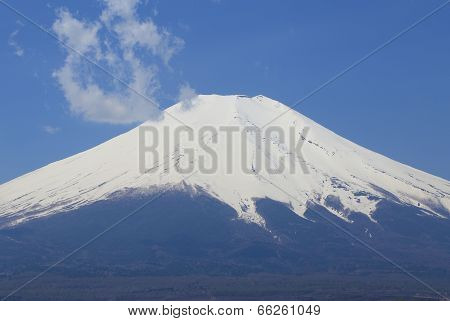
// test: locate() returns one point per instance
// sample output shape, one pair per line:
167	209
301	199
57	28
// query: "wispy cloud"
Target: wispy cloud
130	47
186	96
18	50
51	130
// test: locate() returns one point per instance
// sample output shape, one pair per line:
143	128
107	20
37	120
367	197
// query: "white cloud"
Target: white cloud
82	36
51	130
92	103
121	17
186	95
127	46
125	9
18	51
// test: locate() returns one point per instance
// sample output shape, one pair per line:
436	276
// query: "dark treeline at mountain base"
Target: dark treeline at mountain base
195	247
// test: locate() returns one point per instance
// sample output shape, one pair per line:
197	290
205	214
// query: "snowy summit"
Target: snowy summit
342	176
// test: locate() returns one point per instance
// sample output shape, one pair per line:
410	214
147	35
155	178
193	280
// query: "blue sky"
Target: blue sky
396	103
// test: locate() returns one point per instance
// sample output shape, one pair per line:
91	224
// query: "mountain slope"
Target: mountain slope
343	177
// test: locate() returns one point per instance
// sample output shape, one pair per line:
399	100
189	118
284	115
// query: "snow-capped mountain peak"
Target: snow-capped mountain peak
340	175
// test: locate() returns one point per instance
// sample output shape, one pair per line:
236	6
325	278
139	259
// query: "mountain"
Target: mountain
340	171
327	204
